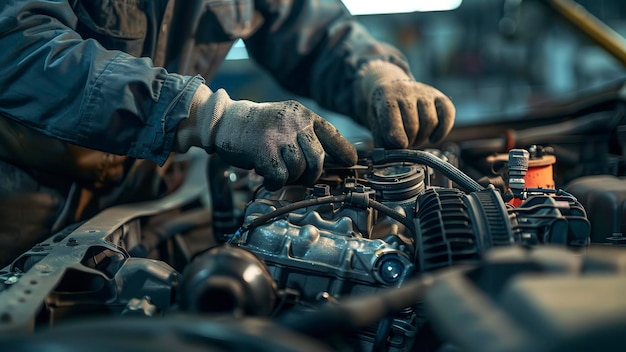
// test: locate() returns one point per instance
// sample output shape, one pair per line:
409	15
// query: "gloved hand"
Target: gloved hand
284	142
401	112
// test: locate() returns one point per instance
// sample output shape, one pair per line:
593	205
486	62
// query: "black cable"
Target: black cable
393	214
289	208
384	327
356	199
357	312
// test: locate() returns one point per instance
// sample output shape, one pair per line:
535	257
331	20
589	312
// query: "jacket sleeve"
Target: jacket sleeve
315	48
72	89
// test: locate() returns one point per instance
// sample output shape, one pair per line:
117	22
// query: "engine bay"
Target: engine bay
403	252
507	236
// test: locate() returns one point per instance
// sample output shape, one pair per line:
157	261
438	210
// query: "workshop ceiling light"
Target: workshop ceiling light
237	51
375	7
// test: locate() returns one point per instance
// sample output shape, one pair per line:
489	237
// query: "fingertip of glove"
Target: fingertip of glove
274	171
343	152
272	184
439	134
334	144
347	157
396	141
445	108
446	112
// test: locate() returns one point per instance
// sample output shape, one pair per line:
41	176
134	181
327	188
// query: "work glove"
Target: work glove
284	141
402	112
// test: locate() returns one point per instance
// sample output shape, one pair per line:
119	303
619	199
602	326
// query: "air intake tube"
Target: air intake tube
381	156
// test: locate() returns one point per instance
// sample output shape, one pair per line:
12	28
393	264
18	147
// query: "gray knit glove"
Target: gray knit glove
284	142
401	112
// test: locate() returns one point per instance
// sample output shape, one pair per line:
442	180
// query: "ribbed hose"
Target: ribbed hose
381	156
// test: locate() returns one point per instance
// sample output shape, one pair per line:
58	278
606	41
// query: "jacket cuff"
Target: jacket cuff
200	128
173	106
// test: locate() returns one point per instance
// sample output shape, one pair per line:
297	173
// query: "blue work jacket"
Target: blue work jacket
87	87
118	75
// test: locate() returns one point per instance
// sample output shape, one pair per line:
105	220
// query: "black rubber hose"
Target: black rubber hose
222	203
359	312
357	199
382	156
185	222
384	327
393	214
289	208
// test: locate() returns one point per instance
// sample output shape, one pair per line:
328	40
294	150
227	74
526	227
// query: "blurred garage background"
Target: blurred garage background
494	58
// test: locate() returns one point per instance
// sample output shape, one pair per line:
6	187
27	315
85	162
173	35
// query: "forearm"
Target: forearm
74	90
316	49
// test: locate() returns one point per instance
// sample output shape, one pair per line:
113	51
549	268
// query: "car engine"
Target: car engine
506	236
299	258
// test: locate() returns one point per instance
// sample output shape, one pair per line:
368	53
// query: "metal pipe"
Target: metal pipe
591	26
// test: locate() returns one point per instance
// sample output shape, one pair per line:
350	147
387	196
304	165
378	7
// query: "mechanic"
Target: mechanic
93	93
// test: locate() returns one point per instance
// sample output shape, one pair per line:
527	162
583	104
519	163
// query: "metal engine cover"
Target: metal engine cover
313	255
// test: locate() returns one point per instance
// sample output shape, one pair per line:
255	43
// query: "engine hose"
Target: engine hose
357	199
222	203
393	214
358	312
289	208
382	156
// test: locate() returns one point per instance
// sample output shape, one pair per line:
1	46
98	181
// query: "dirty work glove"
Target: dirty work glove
401	112
284	142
